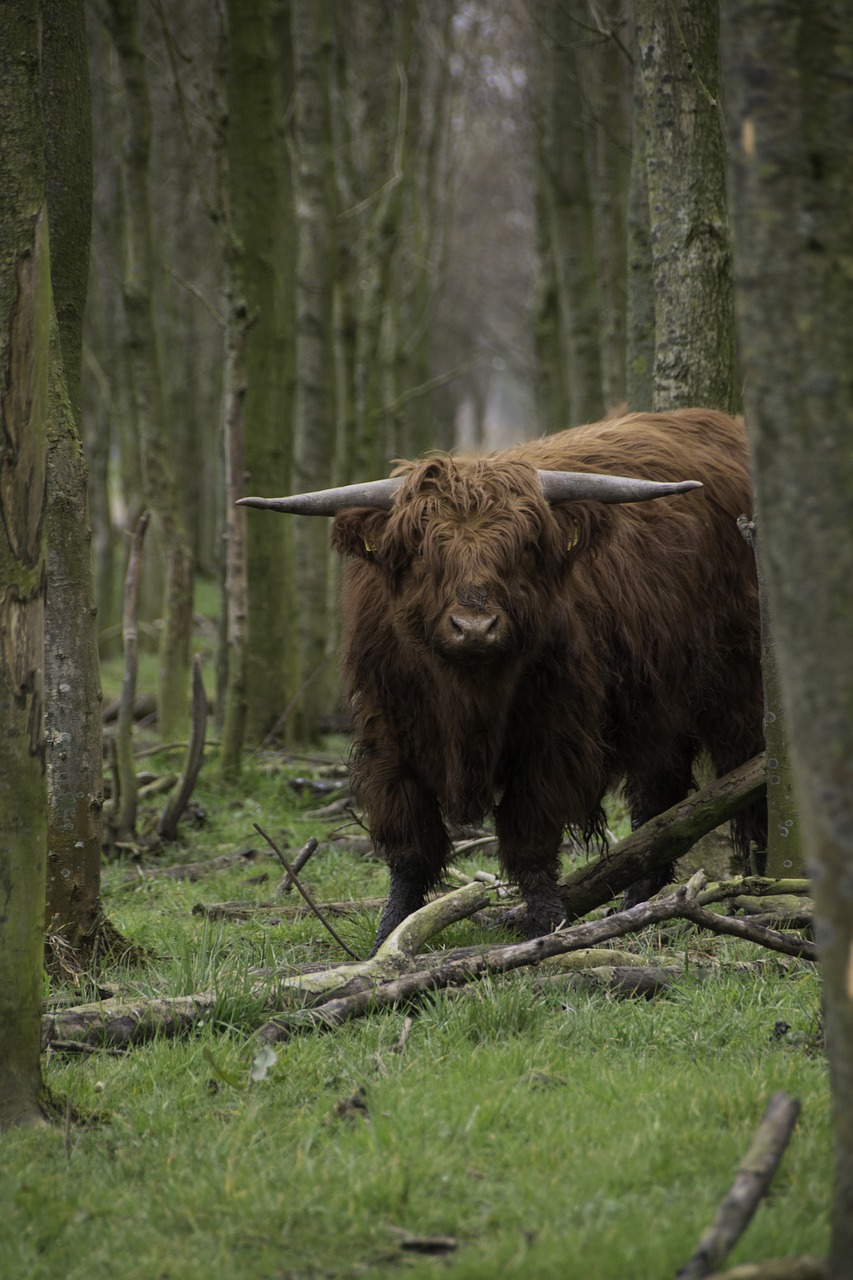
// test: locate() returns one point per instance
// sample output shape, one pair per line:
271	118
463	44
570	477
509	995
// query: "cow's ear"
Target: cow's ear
575	522
356	532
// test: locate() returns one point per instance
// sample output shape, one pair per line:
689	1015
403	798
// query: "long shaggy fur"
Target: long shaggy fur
629	643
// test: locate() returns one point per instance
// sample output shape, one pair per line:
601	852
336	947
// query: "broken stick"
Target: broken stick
752	1179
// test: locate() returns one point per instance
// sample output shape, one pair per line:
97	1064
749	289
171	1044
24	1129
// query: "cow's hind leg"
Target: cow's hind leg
648	795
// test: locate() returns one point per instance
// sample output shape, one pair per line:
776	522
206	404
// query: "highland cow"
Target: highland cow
527	630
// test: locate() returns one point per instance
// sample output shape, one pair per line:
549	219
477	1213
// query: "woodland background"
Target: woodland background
270	246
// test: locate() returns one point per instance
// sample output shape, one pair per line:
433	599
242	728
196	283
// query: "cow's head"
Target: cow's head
469	550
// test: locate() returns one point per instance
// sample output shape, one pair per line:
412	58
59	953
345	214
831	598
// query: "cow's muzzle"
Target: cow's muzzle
473	635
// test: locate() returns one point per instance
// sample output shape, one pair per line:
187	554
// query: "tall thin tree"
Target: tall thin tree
314	403
25	324
790	95
690	240
72	675
155	431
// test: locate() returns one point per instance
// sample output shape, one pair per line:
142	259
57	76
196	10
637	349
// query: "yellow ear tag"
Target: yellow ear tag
369	546
574	539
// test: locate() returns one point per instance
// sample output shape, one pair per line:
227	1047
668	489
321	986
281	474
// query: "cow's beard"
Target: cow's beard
473	716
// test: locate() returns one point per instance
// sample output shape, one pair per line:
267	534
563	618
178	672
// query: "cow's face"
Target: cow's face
470	556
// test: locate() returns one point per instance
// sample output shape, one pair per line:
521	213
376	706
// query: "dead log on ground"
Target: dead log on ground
272	912
392	977
349	994
806	1267
752	1180
192	871
663	839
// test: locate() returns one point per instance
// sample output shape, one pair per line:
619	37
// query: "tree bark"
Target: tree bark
72	676
640	289
258	199
791	124
606	77
155	431
784	853
314	404
25	321
685	165
569	203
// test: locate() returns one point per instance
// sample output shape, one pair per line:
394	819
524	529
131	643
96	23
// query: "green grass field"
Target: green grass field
532	1133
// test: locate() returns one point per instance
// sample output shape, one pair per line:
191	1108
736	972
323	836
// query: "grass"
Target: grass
549	1133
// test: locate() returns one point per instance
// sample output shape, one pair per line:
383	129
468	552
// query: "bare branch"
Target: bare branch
752	1180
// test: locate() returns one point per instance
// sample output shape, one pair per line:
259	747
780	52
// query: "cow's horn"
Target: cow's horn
568	486
328	502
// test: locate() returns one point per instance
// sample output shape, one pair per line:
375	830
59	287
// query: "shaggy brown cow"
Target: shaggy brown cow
516	642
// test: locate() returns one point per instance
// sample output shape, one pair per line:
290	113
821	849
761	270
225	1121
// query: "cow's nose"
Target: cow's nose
474	632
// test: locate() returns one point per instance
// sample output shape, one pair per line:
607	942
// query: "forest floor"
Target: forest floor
522	1129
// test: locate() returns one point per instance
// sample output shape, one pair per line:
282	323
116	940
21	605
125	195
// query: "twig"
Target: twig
288	880
751	1182
305	894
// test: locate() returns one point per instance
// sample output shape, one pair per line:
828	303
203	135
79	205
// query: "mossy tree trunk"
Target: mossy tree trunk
790	98
694	353
568	201
640	290
156	432
25	322
314	402
72	675
685	169
260	254
606	77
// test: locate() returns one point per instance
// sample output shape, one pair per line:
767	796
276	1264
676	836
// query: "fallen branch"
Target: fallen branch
749	931
291	871
121	1023
751	1182
392	976
352	998
662	840
167	827
274	911
288	880
615	979
192	871
805	1267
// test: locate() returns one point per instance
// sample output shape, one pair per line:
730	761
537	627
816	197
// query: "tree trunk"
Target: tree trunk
259	200
694	314
72	677
791	105
314	408
155	432
606	77
25	320
640	289
569	201
784	854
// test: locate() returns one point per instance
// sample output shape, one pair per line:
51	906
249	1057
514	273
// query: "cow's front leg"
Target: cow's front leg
408	831
530	856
